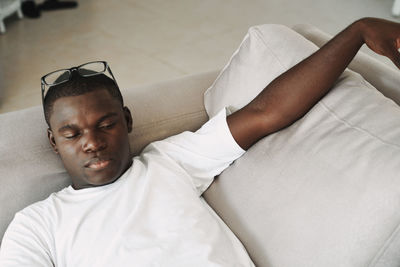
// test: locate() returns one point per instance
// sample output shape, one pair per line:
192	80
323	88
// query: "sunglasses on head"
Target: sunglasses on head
64	75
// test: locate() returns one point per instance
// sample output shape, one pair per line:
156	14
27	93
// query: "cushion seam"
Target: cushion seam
357	128
226	66
258	35
385	246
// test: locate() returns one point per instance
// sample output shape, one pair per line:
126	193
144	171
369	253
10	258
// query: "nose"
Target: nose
93	142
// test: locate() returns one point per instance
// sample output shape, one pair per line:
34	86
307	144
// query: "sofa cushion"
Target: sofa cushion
255	64
323	191
30	171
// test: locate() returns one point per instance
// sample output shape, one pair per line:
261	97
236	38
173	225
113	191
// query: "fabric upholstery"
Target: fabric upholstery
324	191
255	64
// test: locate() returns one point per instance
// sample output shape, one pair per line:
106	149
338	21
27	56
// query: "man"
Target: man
147	211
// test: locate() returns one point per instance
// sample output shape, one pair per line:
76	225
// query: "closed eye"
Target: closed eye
107	126
71	136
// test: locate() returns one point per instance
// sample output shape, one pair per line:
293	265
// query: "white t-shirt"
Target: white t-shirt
153	215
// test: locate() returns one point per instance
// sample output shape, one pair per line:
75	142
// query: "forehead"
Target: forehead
83	108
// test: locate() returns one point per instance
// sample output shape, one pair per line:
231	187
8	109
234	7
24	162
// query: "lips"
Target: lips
97	163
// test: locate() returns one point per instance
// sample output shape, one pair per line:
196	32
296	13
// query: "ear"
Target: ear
52	140
128	118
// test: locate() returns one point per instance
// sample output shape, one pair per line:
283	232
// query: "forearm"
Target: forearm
294	92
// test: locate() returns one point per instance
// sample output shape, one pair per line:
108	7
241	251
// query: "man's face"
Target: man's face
90	132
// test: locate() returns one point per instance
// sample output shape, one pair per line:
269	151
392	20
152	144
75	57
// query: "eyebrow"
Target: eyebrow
72	126
66	127
108	115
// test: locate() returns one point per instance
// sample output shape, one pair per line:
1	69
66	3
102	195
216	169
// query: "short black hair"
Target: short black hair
79	85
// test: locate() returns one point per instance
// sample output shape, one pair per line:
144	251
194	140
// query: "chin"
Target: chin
102	179
102	176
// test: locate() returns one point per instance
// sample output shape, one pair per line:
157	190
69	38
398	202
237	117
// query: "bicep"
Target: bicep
22	246
202	154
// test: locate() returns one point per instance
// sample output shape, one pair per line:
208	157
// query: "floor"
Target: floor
146	41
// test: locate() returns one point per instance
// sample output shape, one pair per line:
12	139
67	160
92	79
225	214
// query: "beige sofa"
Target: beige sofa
30	171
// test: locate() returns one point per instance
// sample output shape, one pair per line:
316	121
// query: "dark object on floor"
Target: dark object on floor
30	9
55	4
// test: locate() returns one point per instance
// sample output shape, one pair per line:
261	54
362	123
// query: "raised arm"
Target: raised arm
295	92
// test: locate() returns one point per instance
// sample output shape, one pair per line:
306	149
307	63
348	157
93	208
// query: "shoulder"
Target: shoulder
43	205
38	215
30	234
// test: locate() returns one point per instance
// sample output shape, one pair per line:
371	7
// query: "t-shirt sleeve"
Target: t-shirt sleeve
205	153
24	244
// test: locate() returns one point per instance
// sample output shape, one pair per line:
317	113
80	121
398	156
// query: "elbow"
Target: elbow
274	121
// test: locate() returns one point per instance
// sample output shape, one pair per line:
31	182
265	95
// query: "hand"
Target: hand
382	37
